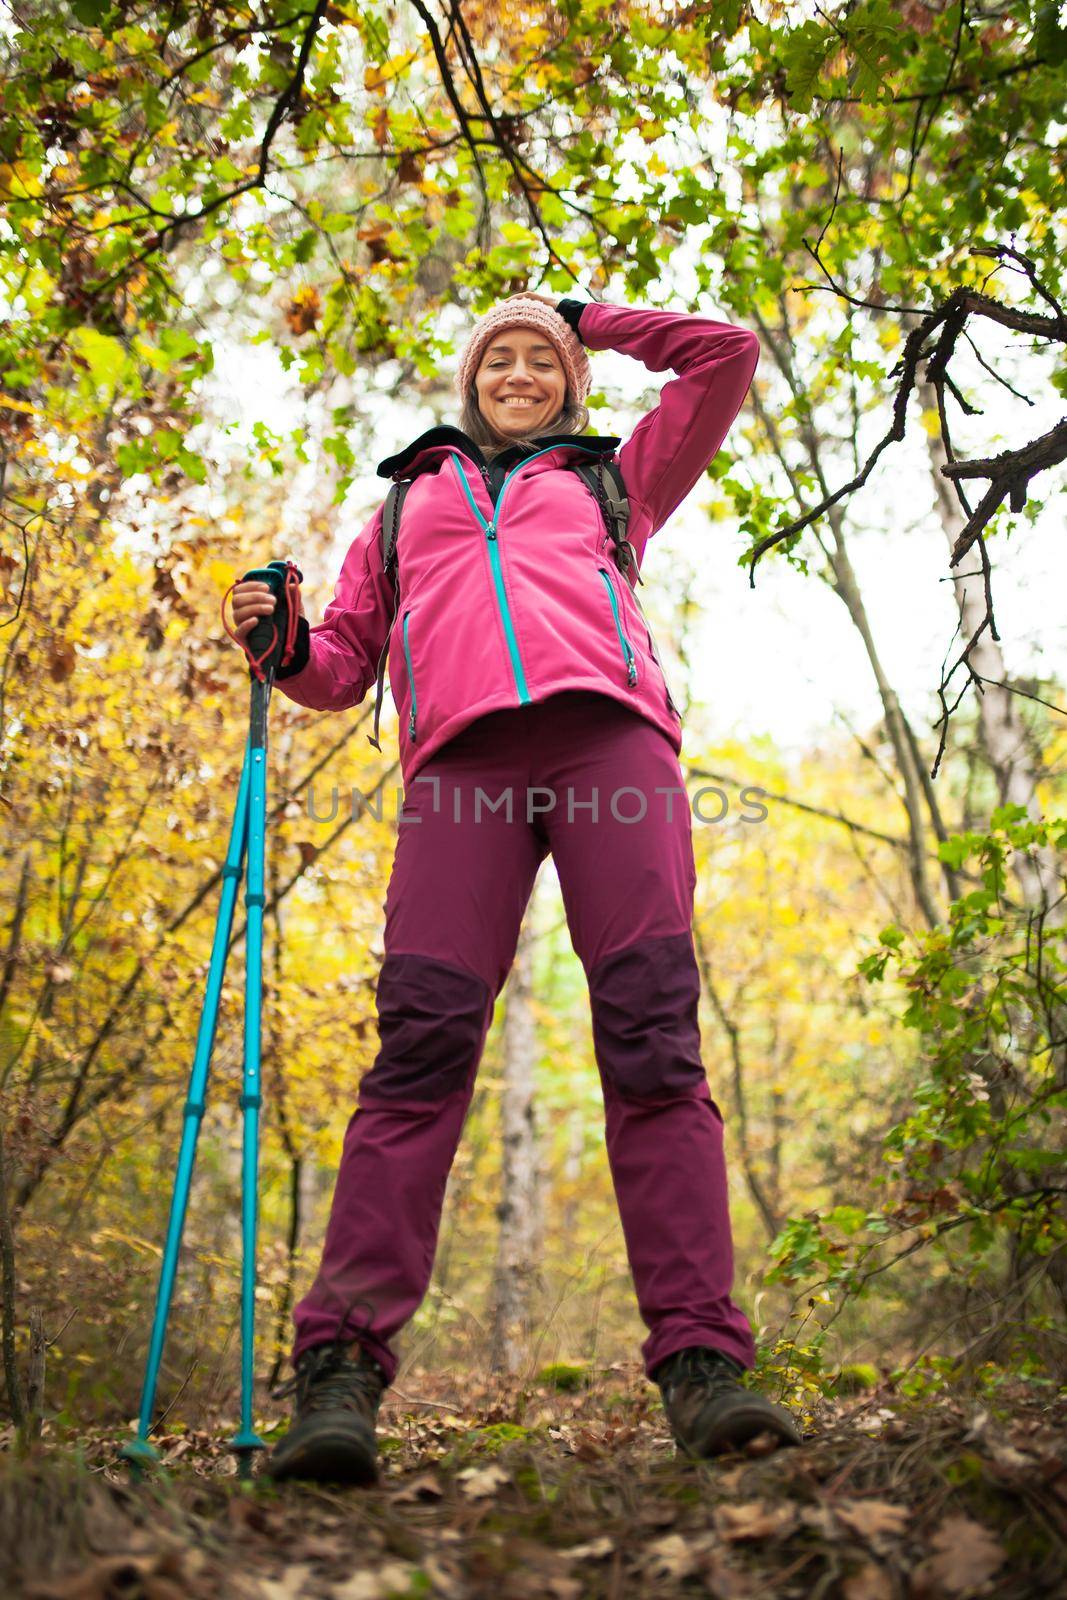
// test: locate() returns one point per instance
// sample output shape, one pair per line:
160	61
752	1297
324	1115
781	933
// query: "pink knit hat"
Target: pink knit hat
525	312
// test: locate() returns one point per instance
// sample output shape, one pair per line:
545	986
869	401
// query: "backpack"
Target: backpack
603	478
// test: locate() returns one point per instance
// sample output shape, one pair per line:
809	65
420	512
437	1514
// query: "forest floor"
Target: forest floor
518	1493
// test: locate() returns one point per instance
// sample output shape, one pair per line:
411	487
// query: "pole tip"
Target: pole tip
139	1455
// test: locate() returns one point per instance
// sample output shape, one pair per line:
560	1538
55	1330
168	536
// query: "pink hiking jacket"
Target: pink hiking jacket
503	607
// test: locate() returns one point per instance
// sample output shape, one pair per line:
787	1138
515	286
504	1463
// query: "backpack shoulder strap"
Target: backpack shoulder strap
390	530
605	480
610	490
394	502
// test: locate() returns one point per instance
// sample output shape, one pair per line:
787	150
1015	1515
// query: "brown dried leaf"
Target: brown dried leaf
445	1580
156	1577
671	1557
868	1583
722	1580
478	1483
302	311
289	1585
588	1446
594	1550
61	660
872	1519
917	17
423	1486
965	1557
394	1578
755	1519
1008	1464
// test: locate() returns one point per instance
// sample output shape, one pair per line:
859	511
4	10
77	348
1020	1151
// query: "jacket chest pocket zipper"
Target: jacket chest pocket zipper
411	678
629	659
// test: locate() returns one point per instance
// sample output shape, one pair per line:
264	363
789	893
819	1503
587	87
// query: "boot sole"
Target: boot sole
329	1455
735	1430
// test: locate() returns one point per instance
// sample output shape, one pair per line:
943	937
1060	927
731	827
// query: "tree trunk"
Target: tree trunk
1008	748
35	1375
1004	735
516	1260
918	799
7	1299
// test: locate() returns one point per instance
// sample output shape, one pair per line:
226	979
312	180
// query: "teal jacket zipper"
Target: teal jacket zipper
411	678
494	556
629	659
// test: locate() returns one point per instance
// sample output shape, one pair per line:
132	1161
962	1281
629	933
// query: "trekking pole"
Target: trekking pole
247	833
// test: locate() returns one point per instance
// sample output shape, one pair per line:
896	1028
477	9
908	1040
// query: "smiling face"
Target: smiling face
520	383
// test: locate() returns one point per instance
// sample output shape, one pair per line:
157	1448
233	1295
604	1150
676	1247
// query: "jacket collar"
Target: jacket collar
445	436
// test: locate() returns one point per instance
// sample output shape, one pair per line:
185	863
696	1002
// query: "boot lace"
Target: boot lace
326	1380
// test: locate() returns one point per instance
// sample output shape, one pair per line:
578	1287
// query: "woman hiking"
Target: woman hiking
534	718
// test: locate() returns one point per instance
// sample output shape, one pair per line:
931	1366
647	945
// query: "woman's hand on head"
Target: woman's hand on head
254	600
528	294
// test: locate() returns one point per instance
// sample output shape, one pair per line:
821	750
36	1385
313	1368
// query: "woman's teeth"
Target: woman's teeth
518	402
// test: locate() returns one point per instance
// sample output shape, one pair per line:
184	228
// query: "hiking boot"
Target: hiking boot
338	1389
710	1410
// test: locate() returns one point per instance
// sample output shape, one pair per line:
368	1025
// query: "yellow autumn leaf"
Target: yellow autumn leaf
17	181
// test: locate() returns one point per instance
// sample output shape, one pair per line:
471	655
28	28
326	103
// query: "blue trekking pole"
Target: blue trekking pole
248	833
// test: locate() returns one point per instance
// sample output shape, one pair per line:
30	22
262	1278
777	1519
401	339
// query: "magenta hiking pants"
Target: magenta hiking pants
582	776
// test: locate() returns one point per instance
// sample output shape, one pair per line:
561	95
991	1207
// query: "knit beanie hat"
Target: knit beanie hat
523	311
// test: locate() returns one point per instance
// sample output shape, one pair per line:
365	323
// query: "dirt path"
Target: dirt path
888	1500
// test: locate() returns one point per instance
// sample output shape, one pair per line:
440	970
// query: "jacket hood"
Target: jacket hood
445	435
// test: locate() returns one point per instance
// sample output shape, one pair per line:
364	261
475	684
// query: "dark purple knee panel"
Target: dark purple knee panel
432	1021
646	1032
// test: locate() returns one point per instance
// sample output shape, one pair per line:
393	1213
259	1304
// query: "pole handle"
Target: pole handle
270	643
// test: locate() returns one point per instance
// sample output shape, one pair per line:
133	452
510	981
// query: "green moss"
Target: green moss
854	1377
967	1468
564	1377
502	1432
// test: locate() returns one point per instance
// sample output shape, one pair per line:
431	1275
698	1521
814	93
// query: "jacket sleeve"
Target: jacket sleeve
674	443
343	649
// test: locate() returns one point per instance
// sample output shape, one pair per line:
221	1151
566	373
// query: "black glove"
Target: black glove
301	651
571	311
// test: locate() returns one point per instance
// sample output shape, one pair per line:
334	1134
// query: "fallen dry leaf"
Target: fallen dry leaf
657	1514
885	1423
158	1577
868	1583
588	1445
821	1519
965	1557
670	1557
289	1585
594	1550
423	1486
1010	1465
445	1580
478	1483
755	1519
395	1577
722	1580
872	1519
